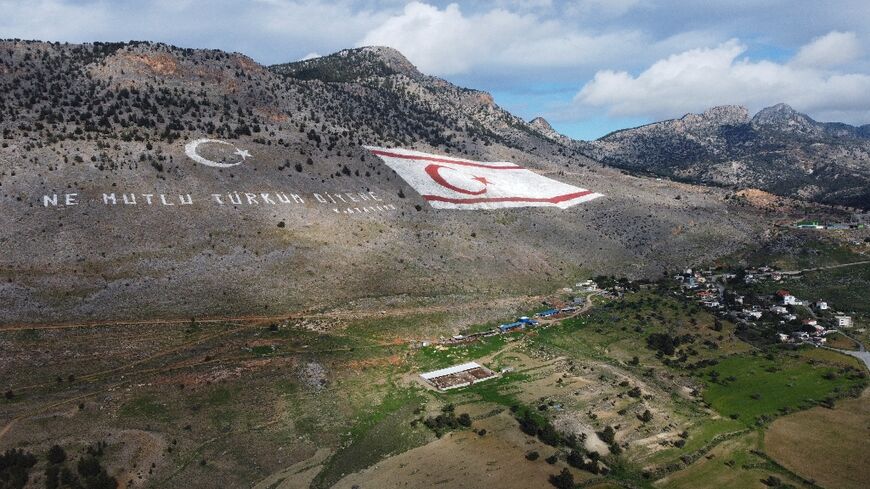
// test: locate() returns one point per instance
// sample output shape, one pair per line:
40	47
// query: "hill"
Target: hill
778	150
89	129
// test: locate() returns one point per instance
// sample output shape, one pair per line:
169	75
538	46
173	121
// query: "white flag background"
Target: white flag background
455	183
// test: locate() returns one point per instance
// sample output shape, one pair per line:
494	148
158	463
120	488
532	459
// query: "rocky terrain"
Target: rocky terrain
778	150
82	122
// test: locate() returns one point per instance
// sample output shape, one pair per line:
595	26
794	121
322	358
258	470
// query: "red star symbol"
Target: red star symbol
482	180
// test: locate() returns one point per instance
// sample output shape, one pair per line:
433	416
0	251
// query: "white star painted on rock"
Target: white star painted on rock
245	154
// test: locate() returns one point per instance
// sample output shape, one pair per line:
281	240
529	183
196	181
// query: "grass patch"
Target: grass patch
377	433
147	408
756	388
434	357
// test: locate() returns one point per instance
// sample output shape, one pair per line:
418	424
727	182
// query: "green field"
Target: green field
619	330
754	388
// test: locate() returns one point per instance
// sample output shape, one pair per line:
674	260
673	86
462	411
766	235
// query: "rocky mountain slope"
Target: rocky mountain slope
105	216
778	150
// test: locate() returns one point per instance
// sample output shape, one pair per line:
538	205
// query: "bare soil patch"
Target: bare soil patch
829	446
465	459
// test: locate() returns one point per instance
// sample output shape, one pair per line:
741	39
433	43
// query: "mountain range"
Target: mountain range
88	129
778	150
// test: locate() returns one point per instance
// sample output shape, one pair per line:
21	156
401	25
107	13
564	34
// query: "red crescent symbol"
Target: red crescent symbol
433	171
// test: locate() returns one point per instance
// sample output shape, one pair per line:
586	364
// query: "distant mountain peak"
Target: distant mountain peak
351	64
542	126
779	114
541	123
720	115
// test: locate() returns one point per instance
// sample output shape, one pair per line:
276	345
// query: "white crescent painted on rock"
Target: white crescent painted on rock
190	151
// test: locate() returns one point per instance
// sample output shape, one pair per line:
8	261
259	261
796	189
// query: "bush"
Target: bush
607	435
15	468
89	466
533	455
646	417
56	455
565	480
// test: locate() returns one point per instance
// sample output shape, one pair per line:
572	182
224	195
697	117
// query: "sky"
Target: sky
588	66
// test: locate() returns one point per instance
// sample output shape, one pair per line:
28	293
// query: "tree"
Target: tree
56	455
646	417
15	468
89	466
464	419
52	477
565	479
607	435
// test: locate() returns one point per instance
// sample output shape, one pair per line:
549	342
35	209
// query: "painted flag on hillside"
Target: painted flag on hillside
455	183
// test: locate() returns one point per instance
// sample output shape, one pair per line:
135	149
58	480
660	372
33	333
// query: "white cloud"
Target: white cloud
696	79
598	8
448	42
832	49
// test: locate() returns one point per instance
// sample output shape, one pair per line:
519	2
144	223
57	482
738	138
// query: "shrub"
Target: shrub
565	480
56	455
607	435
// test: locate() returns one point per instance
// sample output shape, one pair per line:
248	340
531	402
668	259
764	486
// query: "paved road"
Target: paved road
861	354
828	267
864	356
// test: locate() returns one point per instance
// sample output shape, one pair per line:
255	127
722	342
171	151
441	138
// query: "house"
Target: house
810	322
844	321
821	305
752	313
528	321
511	326
783	338
547	313
778	310
786	297
809	225
589	285
789	317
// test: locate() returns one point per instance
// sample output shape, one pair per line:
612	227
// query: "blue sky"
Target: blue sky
588	66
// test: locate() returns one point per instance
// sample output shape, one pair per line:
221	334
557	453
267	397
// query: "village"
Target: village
781	316
795	320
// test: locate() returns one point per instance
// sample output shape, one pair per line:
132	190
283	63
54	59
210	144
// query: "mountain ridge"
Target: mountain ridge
99	126
779	150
